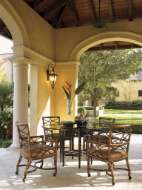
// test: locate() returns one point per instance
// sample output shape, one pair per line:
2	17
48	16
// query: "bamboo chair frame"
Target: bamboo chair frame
34	150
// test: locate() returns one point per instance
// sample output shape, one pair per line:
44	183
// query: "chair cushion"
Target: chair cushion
107	155
38	151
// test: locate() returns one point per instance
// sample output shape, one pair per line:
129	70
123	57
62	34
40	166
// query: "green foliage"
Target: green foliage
98	69
6	101
6	96
79	88
132	105
81	110
5	143
68	89
70	94
137	129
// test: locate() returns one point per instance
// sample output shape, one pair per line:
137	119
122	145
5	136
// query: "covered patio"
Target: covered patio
38	44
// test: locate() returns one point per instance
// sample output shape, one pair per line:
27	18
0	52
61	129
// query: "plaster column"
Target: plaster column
33	97
20	98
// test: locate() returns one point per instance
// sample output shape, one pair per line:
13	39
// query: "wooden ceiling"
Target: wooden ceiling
69	13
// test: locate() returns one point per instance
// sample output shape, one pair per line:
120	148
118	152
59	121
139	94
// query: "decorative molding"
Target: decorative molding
104	37
31	56
20	61
37	55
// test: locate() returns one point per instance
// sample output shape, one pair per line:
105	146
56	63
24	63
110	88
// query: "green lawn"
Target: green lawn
133	117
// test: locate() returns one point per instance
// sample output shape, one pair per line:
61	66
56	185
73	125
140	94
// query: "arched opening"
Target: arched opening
6	90
12	27
104	38
118	43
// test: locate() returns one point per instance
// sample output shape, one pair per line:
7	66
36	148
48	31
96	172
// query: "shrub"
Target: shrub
6	101
135	105
81	110
5	124
137	129
5	143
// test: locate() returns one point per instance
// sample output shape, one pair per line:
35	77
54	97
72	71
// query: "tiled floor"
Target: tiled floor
70	177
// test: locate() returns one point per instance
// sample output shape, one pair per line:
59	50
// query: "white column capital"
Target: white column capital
20	60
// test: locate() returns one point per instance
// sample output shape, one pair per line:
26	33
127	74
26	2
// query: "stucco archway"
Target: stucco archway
20	38
15	25
104	38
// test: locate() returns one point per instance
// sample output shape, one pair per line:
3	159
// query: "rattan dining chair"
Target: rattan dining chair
109	145
51	128
34	150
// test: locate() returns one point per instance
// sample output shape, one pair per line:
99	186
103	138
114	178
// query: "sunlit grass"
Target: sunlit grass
125	116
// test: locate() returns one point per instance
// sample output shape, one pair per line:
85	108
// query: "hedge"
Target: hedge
134	105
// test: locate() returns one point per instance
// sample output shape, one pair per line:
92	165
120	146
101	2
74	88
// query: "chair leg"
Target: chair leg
84	144
17	166
129	171
88	166
26	170
55	165
72	145
110	167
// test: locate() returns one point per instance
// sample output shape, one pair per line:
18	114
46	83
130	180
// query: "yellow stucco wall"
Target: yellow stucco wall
82	38
44	91
40	33
128	90
66	73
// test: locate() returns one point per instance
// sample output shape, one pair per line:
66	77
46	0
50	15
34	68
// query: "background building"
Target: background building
130	89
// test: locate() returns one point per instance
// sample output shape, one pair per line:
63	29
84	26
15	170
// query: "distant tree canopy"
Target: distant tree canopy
98	69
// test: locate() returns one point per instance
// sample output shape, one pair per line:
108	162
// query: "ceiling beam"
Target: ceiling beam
59	16
74	10
41	6
54	14
113	47
45	6
112	10
130	10
30	1
93	6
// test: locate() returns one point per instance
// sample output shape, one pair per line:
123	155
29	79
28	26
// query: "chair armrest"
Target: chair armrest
52	142
118	145
37	139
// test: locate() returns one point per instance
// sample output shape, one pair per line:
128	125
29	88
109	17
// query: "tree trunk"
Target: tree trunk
94	104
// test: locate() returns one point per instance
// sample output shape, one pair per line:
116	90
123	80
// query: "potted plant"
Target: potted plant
70	94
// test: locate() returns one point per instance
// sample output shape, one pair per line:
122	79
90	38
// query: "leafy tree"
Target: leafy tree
98	69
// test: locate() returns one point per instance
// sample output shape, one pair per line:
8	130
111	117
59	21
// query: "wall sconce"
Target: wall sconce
51	75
